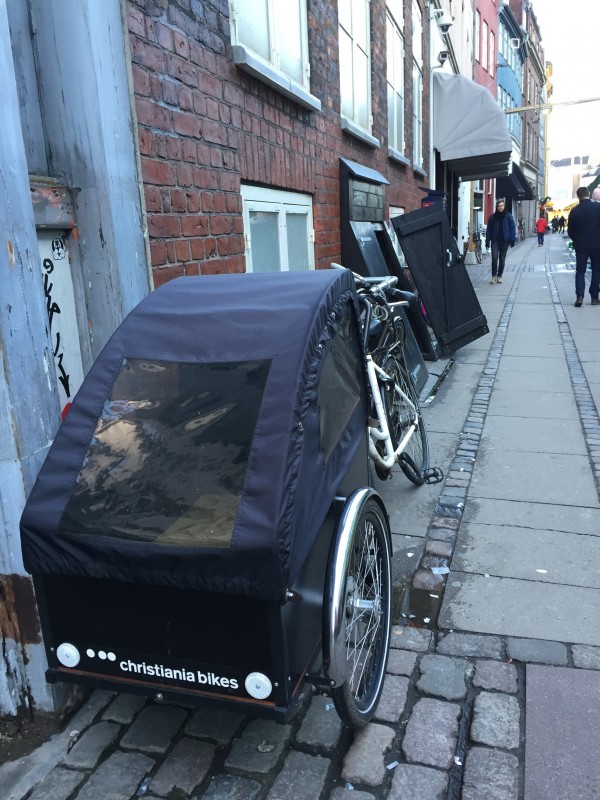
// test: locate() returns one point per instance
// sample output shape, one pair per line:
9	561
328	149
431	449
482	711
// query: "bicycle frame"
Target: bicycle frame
382	434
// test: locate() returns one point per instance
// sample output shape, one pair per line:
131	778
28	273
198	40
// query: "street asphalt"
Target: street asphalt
493	684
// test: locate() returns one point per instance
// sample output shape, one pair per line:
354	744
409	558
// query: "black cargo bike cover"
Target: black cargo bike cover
208	440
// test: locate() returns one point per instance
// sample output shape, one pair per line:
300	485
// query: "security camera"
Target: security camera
445	22
443	56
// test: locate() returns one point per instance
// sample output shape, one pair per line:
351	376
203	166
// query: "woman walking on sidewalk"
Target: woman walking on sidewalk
541	225
502	233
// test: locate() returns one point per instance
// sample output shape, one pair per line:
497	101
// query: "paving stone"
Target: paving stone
469	644
496	720
537	651
401	662
496	675
321	726
259	747
425	579
302	777
432	733
117	778
184	768
88	750
411	782
443	676
436	548
415	639
445	522
219	726
364	761
58	785
490	775
232	787
154	729
586	656
393	699
442	535
124	708
342	793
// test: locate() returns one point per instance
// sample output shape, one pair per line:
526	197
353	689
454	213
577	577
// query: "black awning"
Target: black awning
515	185
469	128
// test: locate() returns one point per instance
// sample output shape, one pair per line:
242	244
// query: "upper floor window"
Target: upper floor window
395	76
484	46
492	53
417	100
355	62
272	38
477	36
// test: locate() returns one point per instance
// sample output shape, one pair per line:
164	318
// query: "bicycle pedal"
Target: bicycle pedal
433	475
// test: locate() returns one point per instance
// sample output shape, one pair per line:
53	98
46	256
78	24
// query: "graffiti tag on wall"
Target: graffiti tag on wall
62	318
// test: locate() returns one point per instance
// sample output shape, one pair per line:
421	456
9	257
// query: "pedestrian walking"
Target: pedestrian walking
540	227
561	224
554	224
584	230
501	233
596	195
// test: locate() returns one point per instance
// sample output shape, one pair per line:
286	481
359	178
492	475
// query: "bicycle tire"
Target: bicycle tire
415	458
366	602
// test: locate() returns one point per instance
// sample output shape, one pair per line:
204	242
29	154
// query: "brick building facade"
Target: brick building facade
206	127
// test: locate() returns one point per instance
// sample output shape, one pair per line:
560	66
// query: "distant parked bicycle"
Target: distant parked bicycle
396	429
520	232
477	246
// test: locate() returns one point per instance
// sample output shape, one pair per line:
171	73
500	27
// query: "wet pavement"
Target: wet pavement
492	691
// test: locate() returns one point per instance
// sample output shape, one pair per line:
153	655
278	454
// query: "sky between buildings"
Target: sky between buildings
570	32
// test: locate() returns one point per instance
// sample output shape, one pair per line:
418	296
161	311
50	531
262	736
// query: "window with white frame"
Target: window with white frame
395	75
417	81
278	229
275	34
477	36
355	61
484	46
492	53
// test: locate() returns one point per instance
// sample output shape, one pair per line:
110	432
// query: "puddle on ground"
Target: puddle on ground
420	608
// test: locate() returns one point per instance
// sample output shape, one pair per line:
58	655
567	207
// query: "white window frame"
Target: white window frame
258	198
492	53
478	36
351	122
395	85
417	82
485	45
269	70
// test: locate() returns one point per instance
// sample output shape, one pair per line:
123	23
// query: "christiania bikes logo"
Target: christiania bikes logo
155	670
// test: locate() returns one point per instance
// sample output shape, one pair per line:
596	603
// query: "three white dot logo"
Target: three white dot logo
102	655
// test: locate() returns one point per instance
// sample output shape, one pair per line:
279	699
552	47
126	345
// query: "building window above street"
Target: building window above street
270	41
477	42
278	228
355	66
417	76
395	77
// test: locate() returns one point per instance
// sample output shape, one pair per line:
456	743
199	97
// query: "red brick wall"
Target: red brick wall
204	127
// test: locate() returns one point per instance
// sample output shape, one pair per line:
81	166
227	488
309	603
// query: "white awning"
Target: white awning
469	128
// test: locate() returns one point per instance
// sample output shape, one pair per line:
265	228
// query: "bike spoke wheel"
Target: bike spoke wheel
414	460
366	609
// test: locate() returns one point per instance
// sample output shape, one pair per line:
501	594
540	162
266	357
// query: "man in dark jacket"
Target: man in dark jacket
502	233
584	230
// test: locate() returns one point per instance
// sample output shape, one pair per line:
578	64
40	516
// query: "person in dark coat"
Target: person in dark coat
501	233
584	230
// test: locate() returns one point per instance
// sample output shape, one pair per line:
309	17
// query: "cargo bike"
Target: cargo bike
204	528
